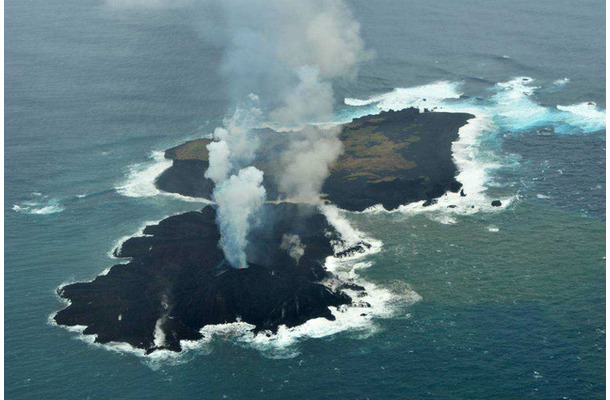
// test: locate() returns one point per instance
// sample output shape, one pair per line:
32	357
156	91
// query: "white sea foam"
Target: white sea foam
38	209
443	218
586	116
119	347
515	108
473	170
138	233
358	317
425	96
511	107
559	83
39	204
140	180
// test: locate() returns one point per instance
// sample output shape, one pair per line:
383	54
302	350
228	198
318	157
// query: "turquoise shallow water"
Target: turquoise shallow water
512	301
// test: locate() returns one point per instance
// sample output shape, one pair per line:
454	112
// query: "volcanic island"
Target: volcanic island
175	280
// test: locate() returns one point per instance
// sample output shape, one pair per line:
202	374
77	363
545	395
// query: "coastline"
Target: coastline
340	264
80	311
391	158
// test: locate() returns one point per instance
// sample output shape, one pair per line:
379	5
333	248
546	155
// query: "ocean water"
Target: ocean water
476	302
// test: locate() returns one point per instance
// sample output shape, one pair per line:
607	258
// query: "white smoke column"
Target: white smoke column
159	334
306	163
280	49
310	100
239	196
219	164
240	144
288	52
238	199
292	244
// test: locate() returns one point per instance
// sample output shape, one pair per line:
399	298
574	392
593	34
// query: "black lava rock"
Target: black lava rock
416	163
429	202
177	281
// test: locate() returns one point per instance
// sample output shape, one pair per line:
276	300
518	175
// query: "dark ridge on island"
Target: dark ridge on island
177	281
393	158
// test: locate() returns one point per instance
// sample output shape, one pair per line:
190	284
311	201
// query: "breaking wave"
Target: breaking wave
587	116
515	109
39	204
140	180
428	96
511	107
359	317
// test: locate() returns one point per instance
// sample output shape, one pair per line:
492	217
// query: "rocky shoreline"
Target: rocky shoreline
393	158
177	281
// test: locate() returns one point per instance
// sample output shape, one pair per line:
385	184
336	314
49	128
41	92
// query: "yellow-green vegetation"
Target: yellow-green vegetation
372	154
374	150
193	150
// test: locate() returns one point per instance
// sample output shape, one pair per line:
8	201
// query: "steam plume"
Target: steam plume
241	195
287	52
220	166
293	246
306	163
310	100
238	199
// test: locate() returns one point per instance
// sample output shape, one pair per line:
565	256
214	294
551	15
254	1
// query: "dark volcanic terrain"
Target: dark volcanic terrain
393	158
177	281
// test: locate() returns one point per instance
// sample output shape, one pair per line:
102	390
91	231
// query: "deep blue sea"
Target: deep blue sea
505	302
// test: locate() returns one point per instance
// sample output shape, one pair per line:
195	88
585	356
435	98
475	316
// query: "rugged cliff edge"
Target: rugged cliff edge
394	158
176	281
